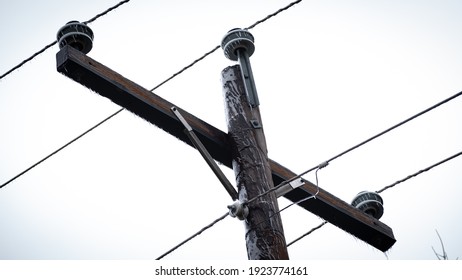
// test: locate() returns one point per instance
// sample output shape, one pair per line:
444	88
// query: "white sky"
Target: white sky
329	75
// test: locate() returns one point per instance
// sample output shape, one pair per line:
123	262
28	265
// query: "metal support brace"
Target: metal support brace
205	154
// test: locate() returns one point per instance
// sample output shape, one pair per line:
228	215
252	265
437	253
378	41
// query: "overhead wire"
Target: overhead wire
28	59
60	148
106	11
273	14
154	88
306	234
386	188
218	46
419	172
54	42
124	2
194	235
357	146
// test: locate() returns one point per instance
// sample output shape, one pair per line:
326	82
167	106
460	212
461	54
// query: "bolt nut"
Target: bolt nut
237	39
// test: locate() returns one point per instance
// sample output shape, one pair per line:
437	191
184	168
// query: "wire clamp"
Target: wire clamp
323	164
238	210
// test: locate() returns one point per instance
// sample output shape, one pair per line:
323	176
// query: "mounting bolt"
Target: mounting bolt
255	124
77	35
370	203
238	210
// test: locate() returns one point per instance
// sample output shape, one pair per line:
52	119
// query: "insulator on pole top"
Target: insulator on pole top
238	45
77	35
370	203
237	39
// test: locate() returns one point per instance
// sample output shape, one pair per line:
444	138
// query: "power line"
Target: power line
106	12
274	14
385	188
217	47
61	148
420	172
308	233
194	235
54	42
159	85
28	59
358	145
187	67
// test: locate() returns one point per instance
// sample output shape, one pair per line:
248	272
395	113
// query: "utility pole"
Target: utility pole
264	233
73	62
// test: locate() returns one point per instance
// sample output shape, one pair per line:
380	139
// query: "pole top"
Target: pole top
236	39
77	35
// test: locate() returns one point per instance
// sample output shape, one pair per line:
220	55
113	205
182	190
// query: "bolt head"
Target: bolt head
77	35
237	39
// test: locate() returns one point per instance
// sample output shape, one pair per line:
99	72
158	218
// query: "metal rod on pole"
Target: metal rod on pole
208	158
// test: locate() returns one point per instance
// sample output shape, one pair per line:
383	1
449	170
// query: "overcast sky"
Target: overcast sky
329	74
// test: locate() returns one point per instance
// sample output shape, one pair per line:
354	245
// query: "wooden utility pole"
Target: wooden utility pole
156	110
264	232
79	67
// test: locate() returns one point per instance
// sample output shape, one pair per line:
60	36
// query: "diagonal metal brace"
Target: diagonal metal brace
205	154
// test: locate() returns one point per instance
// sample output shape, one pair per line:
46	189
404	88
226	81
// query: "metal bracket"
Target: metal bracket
289	186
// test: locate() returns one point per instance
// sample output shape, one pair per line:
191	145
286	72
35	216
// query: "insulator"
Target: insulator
77	35
369	202
238	210
237	39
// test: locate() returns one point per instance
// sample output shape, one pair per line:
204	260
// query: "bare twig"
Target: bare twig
443	256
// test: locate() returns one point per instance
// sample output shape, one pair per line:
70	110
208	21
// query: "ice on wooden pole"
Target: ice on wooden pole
263	226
